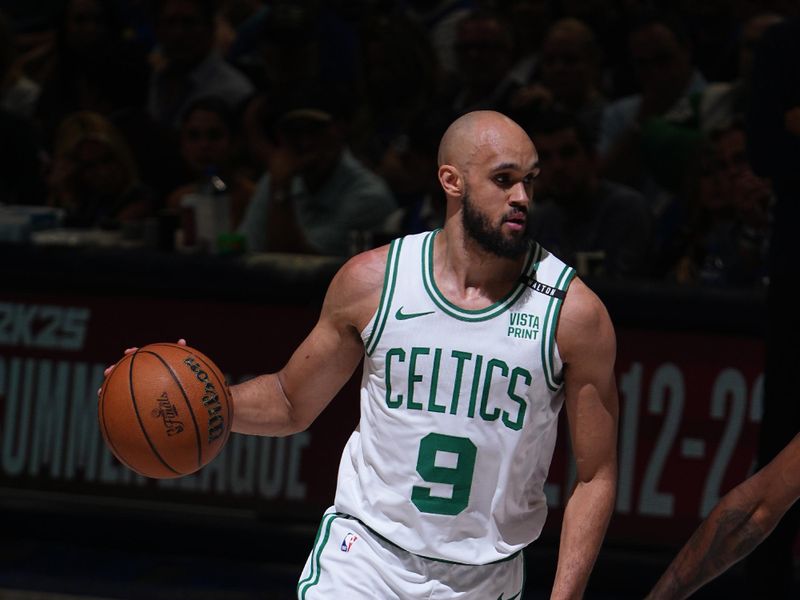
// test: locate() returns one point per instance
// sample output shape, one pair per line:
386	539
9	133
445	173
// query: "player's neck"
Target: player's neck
470	275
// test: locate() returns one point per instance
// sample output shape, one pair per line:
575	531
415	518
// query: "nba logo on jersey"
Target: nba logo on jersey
348	541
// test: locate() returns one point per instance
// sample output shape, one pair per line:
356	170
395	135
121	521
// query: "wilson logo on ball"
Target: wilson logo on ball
165	410
168	413
216	424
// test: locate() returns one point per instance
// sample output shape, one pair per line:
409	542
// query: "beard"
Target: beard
491	238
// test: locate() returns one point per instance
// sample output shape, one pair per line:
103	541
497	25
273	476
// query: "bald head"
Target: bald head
487	164
476	131
484	153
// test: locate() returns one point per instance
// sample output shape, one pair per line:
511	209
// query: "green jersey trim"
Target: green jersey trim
389	283
315	571
473	315
549	330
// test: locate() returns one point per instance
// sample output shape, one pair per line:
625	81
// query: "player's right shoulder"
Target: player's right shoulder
365	270
356	288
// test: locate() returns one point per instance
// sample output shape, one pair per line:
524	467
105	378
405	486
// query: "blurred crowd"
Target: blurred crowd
321	120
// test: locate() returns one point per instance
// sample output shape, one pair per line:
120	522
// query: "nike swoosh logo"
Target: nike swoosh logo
500	597
401	316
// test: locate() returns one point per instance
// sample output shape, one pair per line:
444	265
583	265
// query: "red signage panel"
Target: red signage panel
690	406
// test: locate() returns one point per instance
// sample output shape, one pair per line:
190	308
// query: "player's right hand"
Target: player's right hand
110	368
107	372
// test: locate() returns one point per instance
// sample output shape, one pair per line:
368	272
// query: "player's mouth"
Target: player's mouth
516	220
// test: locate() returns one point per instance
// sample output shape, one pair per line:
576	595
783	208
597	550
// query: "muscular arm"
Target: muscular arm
587	345
288	401
736	525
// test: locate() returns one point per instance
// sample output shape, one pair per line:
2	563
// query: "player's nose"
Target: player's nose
520	195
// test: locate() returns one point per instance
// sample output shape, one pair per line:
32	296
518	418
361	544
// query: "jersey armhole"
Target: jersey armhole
378	321
554	379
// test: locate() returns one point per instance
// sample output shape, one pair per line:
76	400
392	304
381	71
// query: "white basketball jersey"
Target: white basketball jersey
459	411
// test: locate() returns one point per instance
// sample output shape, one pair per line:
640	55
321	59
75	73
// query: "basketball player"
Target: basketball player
472	338
736	525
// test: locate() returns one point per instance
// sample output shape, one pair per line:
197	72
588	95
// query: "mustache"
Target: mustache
516	213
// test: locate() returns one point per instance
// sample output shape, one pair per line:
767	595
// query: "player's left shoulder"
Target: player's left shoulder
584	319
582	305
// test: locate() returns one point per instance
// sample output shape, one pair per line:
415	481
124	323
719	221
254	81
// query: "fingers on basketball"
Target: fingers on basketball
165	410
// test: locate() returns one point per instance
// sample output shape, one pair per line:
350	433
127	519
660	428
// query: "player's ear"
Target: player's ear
451	180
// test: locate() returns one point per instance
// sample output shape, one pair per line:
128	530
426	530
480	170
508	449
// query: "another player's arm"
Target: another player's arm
288	401
737	524
587	345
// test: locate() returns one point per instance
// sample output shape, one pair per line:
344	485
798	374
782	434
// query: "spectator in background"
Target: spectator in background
21	155
252	144
188	67
440	19
773	136
94	177
400	76
316	195
485	77
306	43
529	20
18	93
207	147
92	67
601	227
648	140
611	23
290	48
95	67
238	26
34	26
724	102
410	167
729	224
155	150
633	125
569	75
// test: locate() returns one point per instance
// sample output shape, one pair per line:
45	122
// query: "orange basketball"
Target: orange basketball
165	410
